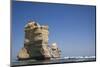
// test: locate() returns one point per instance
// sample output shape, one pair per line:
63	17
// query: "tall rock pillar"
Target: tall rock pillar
36	41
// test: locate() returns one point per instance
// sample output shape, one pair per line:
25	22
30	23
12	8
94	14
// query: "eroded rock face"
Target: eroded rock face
45	51
23	54
55	51
36	43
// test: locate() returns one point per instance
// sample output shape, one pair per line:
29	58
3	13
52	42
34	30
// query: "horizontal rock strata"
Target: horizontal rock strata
36	43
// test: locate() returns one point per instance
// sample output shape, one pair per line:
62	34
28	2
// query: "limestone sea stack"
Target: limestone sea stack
36	43
55	51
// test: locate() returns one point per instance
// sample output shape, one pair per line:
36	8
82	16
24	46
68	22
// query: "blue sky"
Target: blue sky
72	27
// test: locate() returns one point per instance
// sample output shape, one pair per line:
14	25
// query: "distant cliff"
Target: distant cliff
36	43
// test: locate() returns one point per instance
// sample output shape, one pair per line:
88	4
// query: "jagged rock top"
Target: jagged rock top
54	45
33	25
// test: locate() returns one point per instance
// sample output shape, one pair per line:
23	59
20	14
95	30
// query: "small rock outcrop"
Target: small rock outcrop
55	51
36	43
23	54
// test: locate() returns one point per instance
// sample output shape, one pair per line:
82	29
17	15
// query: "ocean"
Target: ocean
16	62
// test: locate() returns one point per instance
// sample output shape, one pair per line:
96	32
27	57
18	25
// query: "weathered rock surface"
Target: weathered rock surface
55	51
23	54
36	43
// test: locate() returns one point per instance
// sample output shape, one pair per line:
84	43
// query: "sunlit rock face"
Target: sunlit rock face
55	51
36	43
23	54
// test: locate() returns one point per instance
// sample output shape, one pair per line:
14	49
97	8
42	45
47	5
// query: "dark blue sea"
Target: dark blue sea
15	62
